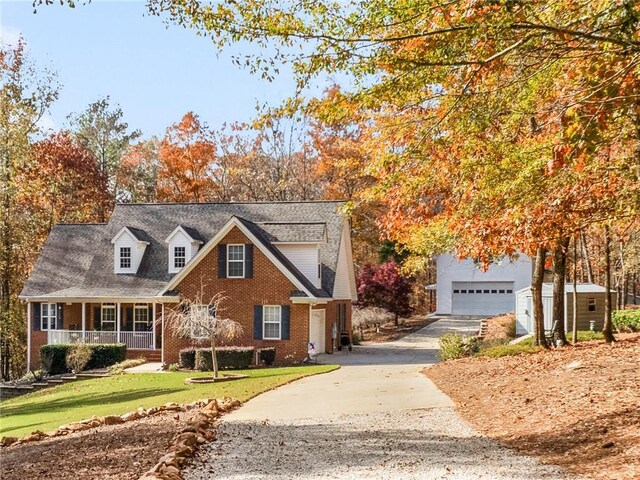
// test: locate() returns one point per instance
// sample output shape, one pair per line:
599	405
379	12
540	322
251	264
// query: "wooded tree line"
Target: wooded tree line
480	128
78	173
492	127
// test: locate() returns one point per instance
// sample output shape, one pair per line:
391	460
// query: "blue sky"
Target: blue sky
155	73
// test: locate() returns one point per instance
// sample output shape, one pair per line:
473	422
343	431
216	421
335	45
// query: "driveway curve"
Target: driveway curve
377	417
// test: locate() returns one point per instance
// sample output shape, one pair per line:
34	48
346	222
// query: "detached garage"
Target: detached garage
482	298
590	307
463	288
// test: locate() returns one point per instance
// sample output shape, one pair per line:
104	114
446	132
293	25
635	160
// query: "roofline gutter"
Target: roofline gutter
309	300
100	299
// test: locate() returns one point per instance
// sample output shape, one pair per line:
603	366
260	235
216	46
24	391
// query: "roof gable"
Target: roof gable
153	223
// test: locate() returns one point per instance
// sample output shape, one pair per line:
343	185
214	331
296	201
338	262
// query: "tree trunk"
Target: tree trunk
622	296
559	280
574	326
586	259
536	292
214	358
607	328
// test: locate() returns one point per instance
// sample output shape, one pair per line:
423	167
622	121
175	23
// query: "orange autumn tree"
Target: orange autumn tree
63	183
187	163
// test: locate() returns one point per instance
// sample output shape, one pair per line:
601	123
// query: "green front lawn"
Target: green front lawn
48	409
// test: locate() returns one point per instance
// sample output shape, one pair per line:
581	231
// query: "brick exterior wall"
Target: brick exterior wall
38	339
269	286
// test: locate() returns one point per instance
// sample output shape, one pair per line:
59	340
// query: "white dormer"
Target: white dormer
183	245
129	245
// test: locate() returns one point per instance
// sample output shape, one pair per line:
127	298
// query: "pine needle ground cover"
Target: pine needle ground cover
576	407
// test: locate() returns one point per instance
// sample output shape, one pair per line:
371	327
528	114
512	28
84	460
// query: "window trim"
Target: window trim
140	307
48	316
182	257
122	257
103	308
241	262
591	304
265	321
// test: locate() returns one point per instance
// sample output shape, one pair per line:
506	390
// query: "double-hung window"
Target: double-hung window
179	257
108	317
48	316
141	317
592	305
125	257
235	261
271	322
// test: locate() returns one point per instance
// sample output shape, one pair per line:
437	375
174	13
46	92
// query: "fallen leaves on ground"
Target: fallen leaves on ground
390	331
577	407
115	452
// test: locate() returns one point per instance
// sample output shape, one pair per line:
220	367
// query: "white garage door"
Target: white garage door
482	298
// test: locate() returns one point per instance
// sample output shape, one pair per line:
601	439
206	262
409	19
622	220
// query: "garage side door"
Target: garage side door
482	298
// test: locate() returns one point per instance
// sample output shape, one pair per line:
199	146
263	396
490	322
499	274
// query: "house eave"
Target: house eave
100	299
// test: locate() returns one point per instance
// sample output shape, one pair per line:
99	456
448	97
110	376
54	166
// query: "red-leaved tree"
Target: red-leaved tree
384	286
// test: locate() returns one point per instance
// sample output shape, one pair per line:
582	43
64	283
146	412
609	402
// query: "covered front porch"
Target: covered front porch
137	324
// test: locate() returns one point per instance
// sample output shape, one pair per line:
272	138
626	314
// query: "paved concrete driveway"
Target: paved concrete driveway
372	379
376	417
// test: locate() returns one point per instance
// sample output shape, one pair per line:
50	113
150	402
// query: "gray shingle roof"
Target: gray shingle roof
77	260
293	232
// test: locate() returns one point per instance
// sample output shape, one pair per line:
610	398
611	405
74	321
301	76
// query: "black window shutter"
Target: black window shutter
222	261
60	317
96	318
248	260
150	318
128	326
35	315
257	322
285	321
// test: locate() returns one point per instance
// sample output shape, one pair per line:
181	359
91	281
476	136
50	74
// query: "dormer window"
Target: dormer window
125	257
235	261
179	257
183	243
129	246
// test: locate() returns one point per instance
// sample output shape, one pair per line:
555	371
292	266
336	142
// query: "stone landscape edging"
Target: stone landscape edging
95	422
185	443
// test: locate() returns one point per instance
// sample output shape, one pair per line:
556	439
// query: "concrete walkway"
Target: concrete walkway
377	417
149	367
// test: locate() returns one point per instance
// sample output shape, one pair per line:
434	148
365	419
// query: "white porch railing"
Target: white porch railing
133	340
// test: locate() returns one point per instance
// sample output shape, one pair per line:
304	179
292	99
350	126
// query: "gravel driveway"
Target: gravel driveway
377	417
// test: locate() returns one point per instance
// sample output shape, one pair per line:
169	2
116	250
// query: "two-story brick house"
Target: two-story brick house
285	268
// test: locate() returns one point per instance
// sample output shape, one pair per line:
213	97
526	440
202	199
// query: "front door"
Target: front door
317	329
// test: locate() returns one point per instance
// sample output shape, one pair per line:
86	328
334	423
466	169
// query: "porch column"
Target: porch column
29	326
153	325
84	321
162	335
118	306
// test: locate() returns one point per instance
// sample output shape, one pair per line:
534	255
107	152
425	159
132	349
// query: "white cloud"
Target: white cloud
9	35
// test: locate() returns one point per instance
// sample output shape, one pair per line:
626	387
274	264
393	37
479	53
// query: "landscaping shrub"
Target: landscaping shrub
78	357
236	358
508	350
267	355
188	358
53	358
454	346
626	320
107	354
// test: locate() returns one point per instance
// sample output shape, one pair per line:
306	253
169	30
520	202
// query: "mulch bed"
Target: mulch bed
115	452
577	407
389	331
